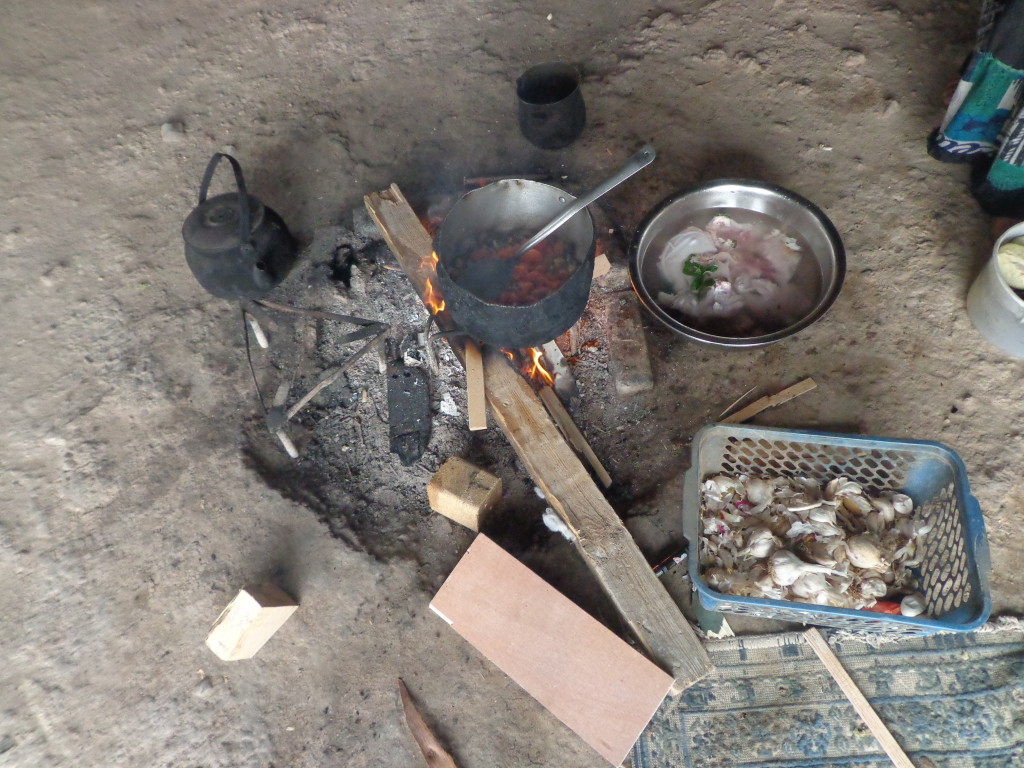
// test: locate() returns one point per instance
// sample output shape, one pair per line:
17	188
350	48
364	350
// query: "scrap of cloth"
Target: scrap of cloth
951	700
984	122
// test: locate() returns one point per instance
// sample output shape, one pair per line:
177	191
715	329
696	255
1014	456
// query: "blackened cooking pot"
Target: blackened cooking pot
504	206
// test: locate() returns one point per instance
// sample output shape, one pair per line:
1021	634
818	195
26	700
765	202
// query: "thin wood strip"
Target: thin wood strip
606	546
476	397
800	388
572	433
860	703
429	745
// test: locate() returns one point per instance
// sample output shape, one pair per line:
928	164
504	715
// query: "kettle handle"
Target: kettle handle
244	230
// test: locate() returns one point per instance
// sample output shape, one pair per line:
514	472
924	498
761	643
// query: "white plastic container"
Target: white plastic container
995	309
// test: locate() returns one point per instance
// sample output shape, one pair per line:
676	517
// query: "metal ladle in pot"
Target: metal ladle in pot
487	279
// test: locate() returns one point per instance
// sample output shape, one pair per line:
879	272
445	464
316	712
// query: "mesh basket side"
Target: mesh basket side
929	476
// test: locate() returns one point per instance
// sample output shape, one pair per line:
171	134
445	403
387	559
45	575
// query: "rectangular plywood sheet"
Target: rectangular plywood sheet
579	670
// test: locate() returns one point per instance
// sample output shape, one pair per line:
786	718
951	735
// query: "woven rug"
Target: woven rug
951	701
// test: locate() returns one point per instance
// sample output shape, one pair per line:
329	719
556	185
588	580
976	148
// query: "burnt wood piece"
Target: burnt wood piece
606	545
408	411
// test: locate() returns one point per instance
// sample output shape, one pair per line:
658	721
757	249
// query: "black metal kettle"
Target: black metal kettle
236	251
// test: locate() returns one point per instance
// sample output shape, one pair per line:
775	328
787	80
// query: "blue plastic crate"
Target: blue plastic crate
953	574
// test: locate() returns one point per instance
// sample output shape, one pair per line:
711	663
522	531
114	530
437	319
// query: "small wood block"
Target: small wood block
628	362
248	622
462	492
579	670
476	396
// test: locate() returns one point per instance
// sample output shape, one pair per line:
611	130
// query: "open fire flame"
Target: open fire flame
533	369
537	371
432	298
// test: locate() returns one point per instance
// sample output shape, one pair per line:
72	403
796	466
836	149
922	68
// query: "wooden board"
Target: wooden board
580	671
249	621
603	541
572	433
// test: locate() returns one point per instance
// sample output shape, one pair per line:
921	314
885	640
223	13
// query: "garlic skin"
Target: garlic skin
886	510
840	487
902	504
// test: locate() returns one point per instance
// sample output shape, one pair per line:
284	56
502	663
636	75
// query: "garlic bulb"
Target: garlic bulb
793	538
809	585
761	542
820	552
759	491
785	568
912	605
862	551
824	530
857	504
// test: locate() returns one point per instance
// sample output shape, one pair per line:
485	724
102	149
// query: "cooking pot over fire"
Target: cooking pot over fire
513	205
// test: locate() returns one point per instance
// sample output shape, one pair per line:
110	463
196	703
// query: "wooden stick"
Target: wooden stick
603	541
431	748
863	707
770	401
572	433
334	374
257	331
476	397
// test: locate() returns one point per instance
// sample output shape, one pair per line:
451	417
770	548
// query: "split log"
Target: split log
605	544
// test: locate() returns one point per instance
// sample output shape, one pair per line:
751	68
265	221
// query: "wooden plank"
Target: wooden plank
249	620
462	492
476	398
860	703
572	433
800	388
579	670
433	752
602	539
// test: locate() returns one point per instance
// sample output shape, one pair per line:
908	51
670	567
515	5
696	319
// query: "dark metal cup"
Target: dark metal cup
551	109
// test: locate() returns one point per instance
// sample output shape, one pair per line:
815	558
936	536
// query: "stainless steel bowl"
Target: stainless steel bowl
793	215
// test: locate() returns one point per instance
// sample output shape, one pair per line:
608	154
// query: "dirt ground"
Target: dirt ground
140	489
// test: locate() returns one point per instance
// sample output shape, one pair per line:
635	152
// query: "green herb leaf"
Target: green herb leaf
701	275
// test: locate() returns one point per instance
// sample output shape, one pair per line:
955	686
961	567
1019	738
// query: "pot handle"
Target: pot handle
244	230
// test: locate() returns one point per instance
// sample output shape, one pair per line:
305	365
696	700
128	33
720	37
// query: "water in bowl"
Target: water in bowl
717	310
